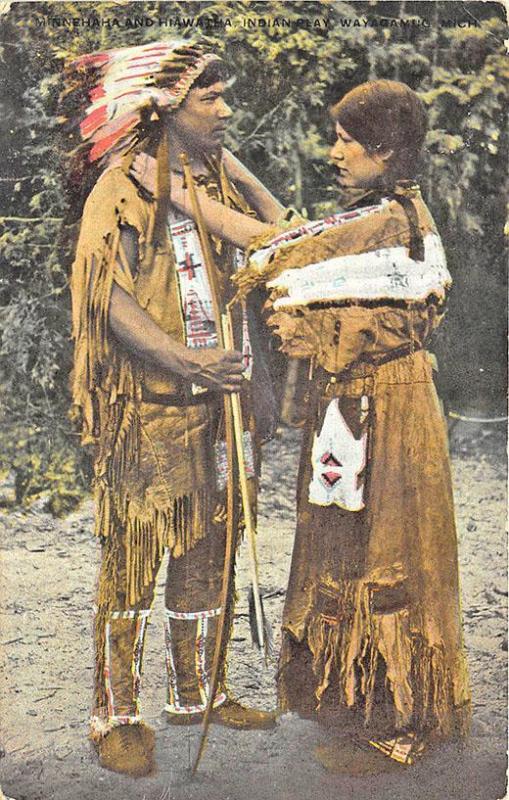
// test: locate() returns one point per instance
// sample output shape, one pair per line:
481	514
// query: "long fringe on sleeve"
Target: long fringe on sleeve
107	397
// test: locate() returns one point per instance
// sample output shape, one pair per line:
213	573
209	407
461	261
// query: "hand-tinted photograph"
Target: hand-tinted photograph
253	382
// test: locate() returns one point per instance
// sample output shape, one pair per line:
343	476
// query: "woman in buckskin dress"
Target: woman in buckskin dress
372	639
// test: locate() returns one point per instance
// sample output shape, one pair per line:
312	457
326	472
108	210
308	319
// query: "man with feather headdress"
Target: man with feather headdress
148	375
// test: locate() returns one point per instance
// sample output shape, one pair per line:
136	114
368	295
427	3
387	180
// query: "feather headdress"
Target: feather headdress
112	102
121	86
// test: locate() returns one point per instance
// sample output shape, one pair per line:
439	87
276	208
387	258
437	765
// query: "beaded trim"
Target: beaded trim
100	726
198	709
174	705
144	612
189	615
141	618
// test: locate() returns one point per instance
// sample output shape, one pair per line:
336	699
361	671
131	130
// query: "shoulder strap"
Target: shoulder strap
416	247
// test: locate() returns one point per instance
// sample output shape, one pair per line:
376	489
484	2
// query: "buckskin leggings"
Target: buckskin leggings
192	607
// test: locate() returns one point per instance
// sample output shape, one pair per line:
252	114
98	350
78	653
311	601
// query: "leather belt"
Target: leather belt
322	376
175	399
399	352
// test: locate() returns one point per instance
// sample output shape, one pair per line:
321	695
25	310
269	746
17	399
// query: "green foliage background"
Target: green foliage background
285	79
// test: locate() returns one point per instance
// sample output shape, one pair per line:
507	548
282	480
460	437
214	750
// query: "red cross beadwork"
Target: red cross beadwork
187	265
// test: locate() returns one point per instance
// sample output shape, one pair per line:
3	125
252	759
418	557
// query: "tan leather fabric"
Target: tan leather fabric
338	336
155	474
372	613
378	589
193	583
155	471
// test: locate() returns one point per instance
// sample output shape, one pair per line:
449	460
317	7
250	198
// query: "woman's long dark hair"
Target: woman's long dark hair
385	115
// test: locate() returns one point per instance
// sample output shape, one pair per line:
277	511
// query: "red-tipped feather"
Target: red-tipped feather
111	138
94	120
96	93
159	73
92	60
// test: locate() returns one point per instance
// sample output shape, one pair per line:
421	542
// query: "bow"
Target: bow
234	430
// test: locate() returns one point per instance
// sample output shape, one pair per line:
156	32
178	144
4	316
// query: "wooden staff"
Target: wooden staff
238	429
232	442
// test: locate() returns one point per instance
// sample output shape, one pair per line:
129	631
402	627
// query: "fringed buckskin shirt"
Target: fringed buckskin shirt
155	472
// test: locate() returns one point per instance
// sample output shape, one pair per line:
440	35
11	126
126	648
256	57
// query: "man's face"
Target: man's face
201	121
357	168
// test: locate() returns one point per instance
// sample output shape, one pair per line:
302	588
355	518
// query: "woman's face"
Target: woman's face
357	168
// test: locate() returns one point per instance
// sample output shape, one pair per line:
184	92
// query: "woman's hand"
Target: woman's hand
144	171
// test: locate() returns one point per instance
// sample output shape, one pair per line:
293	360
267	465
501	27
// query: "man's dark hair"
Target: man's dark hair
214	72
382	116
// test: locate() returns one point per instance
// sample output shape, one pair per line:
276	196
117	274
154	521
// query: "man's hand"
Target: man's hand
219	370
144	171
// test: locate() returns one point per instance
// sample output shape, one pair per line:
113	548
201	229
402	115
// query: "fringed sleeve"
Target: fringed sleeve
350	238
106	389
100	367
338	333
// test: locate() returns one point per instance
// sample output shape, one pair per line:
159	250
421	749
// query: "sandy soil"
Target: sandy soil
48	570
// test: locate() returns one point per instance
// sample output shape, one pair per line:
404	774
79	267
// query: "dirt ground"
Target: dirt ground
48	572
